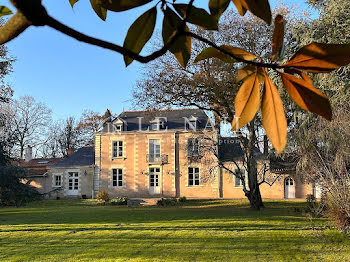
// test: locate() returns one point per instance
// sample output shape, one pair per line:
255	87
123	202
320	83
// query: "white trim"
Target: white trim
54	175
123	149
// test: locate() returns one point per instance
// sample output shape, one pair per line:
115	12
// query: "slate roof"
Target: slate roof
84	156
284	164
175	118
230	149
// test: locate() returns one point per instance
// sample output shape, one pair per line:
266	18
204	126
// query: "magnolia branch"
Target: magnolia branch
33	13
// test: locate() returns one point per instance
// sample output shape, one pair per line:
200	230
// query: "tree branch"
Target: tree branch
27	15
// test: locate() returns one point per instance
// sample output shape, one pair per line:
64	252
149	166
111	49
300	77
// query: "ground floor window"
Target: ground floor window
57	180
117	177
238	181
193	176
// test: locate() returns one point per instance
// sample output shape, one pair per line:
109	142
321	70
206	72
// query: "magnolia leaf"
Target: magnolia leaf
139	33
99	10
278	35
260	8
198	16
306	95
181	48
247	71
73	2
303	75
240	8
273	117
211	52
122	5
217	7
320	58
4	11
247	101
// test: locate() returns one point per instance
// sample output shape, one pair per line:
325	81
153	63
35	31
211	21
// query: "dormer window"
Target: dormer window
119	125
158	123
191	123
119	128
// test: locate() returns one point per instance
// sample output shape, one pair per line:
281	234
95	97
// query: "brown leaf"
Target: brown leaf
273	117
247	101
320	58
260	8
240	8
181	48
213	52
278	35
306	95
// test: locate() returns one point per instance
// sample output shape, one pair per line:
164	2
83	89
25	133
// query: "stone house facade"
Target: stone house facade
155	154
173	153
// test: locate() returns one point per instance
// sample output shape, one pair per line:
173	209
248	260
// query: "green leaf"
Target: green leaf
73	2
99	10
140	32
181	48
211	52
4	11
198	16
217	7
122	5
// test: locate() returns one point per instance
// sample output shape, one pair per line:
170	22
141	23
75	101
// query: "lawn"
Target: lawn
222	230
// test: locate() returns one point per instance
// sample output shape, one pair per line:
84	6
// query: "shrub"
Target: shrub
102	196
182	199
120	201
167	202
339	215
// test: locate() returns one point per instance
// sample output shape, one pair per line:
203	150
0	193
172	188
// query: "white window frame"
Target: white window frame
194	149
116	149
239	182
118	175
192	171
54	176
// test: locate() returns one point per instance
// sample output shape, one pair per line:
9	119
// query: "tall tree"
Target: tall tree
211	85
90	123
69	137
28	121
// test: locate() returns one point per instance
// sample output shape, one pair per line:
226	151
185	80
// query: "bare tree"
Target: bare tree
69	136
90	123
28	121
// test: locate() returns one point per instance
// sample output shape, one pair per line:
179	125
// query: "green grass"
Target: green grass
198	231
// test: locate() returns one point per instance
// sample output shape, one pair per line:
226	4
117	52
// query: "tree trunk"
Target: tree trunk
253	195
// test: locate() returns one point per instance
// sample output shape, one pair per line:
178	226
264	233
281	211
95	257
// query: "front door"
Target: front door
154	180
73	183
289	188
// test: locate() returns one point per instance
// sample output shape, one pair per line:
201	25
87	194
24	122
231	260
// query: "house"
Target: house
74	175
167	153
36	169
158	154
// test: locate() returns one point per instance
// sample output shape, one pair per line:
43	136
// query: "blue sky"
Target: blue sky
69	76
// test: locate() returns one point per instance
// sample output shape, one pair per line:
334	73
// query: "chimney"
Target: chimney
266	146
69	151
28	155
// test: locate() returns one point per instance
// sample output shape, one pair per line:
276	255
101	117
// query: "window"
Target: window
154	150
118	149
119	128
238	181
57	180
117	177
193	176
154	126
192	147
